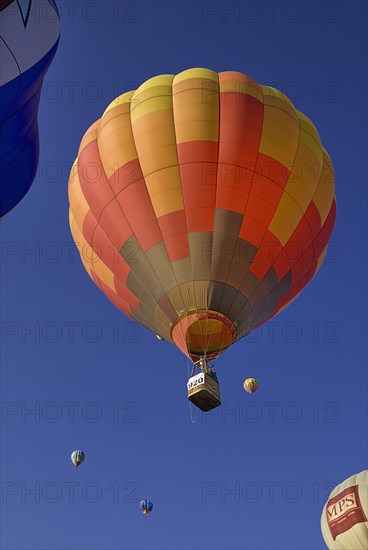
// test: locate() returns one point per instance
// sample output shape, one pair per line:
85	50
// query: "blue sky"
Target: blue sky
254	474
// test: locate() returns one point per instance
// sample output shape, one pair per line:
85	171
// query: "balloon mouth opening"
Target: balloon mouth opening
203	334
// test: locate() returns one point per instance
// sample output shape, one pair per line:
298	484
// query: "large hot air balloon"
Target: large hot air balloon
29	35
208	201
344	520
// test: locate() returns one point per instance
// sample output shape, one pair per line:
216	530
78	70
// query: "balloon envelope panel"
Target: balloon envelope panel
208	201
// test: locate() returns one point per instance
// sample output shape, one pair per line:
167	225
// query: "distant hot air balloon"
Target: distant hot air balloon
344	520
208	201
77	457
29	36
251	385
146	506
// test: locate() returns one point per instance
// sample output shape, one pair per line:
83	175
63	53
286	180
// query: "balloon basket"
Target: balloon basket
204	392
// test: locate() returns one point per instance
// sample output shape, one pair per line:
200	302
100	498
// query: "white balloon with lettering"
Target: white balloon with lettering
344	520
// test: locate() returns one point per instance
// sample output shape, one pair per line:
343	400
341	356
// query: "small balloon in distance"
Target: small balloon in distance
146	506
77	457
251	385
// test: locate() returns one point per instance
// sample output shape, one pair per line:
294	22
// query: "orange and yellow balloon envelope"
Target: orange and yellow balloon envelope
207	201
251	385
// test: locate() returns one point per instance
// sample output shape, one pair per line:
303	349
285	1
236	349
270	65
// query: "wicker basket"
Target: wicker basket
204	392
